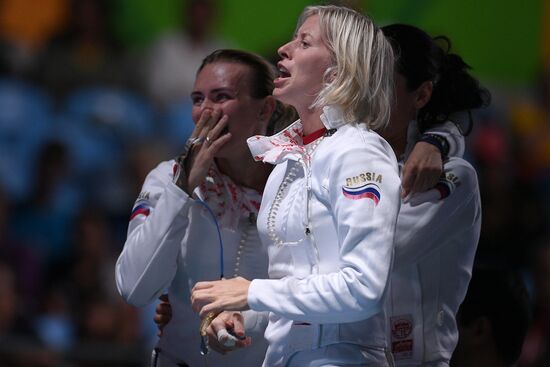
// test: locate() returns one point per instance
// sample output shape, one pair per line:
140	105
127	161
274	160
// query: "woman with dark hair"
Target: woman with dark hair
437	231
426	66
195	218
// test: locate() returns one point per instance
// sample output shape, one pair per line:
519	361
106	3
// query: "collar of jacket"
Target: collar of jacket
288	143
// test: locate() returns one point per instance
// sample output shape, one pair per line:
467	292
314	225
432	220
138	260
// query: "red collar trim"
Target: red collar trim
310	138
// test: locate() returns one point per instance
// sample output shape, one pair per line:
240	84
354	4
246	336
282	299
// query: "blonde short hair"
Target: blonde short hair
361	80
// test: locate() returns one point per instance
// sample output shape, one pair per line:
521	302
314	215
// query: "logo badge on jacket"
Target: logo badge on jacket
141	209
401	336
141	206
447	184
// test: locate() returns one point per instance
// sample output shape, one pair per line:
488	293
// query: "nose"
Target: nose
207	104
284	51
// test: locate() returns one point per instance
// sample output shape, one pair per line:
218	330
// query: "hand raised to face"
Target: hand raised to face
207	139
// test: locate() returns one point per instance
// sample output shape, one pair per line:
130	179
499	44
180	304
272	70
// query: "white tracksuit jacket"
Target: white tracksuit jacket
172	243
327	285
435	244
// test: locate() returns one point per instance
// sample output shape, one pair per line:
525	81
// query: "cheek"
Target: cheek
316	77
323	64
240	125
404	100
244	125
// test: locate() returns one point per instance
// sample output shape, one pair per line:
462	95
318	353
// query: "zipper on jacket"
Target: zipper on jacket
308	232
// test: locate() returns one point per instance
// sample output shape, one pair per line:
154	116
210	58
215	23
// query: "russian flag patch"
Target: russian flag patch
140	209
368	191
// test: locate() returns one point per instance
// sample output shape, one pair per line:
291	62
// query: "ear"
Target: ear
332	74
268	108
423	94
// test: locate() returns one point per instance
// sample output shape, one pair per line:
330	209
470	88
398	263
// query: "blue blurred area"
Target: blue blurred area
99	123
26	121
177	124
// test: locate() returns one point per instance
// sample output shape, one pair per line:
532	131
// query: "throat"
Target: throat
311	121
399	144
397	139
249	173
309	138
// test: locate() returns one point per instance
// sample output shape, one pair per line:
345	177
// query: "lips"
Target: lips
283	75
283	72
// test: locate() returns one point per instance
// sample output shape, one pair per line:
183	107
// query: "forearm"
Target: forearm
424	227
329	298
148	261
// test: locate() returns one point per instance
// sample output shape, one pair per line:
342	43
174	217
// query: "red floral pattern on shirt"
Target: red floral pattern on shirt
228	201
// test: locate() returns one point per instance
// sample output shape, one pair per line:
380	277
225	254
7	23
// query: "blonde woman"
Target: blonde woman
330	205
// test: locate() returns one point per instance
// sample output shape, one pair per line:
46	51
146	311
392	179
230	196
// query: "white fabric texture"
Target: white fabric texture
327	285
435	243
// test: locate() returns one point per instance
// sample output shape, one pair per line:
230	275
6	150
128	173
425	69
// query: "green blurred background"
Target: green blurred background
501	40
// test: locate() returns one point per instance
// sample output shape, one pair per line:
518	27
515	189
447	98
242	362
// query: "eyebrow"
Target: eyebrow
217	90
223	89
302	35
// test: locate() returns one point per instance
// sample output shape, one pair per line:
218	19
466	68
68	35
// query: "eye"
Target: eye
196	100
221	97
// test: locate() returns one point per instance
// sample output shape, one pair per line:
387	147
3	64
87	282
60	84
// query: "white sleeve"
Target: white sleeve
157	226
255	323
365	229
424	225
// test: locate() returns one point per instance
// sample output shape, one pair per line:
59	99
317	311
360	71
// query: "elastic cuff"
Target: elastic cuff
438	141
251	297
179	197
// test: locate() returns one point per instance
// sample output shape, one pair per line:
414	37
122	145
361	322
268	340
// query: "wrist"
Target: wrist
180	177
437	141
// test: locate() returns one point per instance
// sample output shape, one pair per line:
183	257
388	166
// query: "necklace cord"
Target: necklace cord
222	271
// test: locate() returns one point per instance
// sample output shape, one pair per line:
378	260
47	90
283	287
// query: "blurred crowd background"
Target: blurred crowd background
95	93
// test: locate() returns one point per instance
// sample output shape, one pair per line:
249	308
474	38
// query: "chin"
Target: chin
225	153
230	151
280	95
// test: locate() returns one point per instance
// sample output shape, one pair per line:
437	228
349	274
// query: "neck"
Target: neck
245	172
397	139
311	120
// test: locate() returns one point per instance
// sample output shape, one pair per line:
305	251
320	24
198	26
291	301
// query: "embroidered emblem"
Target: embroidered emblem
369	191
363	177
446	185
144	195
401	327
140	209
401	339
